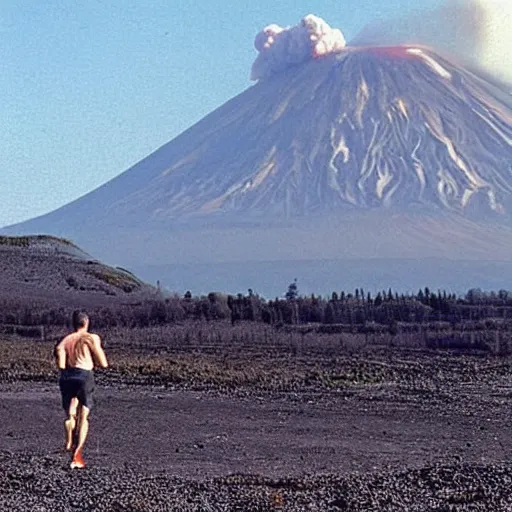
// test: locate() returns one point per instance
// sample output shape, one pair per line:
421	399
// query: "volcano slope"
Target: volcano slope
366	153
280	422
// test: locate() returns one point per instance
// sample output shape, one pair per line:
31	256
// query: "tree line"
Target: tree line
357	308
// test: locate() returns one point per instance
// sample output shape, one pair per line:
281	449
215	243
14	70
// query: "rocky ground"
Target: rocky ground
293	428
38	484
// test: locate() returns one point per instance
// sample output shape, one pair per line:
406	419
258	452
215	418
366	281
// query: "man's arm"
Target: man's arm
60	354
99	354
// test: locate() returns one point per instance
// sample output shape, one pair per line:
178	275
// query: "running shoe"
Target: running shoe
78	461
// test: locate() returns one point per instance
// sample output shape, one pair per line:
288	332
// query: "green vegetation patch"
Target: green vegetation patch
15	241
26	241
123	281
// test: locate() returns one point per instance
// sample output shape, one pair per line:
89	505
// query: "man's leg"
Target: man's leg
83	429
70	423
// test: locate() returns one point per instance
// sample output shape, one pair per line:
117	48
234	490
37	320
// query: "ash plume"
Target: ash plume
280	47
475	32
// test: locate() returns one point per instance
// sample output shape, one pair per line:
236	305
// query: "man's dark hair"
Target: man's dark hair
79	320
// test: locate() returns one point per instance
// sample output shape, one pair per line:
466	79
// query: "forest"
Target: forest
479	320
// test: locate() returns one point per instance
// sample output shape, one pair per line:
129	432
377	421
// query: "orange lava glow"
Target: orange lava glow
395	52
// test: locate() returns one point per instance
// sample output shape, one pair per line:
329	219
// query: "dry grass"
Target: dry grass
26	360
215	356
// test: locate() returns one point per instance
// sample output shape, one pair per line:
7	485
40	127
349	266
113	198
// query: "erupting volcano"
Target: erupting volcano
337	151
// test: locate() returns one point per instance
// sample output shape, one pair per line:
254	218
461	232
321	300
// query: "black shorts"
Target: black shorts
76	383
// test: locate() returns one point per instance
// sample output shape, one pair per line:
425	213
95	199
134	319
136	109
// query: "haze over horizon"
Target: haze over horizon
78	115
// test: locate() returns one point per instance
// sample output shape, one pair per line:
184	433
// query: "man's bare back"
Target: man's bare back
67	355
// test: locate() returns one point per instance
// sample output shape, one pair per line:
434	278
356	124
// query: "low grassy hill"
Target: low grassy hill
50	269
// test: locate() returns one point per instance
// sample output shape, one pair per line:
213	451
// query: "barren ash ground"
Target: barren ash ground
260	422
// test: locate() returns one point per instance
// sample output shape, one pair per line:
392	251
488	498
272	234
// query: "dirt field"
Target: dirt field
399	430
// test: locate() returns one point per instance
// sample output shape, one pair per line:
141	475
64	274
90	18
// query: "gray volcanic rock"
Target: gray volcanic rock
376	148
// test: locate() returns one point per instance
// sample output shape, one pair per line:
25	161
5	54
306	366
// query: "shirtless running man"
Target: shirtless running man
76	355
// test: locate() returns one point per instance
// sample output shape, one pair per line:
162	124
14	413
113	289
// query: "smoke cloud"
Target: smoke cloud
475	32
280	48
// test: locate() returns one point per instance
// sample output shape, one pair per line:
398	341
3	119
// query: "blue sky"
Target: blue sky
90	88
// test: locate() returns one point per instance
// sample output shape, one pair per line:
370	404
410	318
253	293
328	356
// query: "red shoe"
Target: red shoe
78	461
